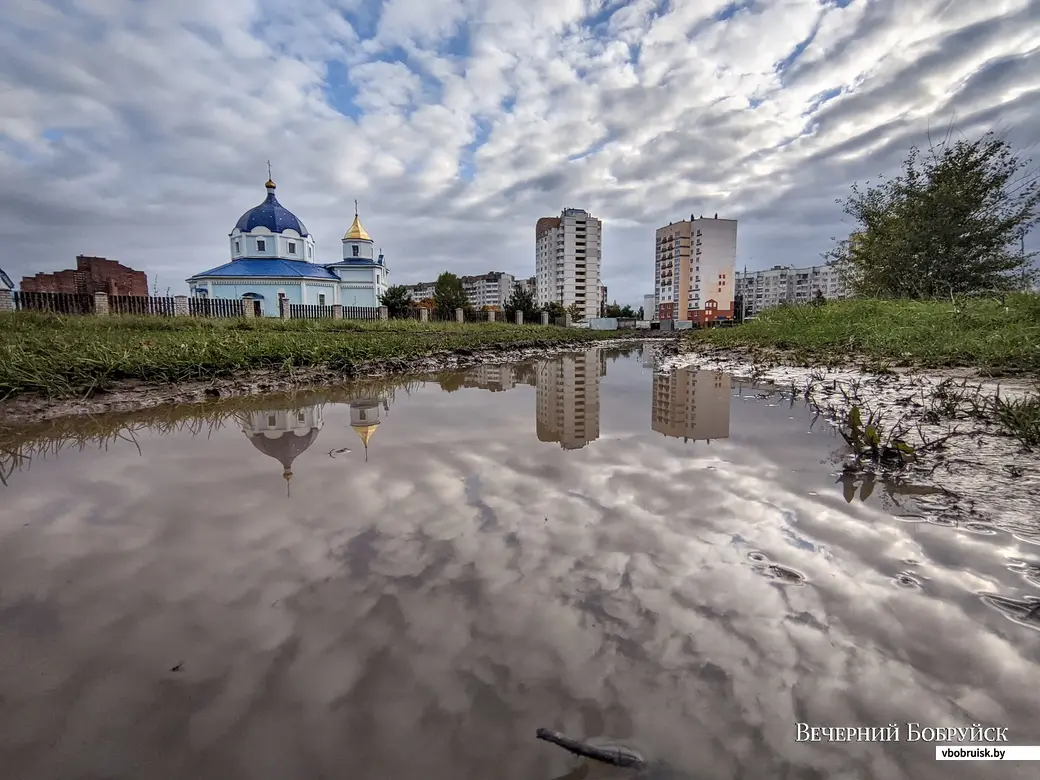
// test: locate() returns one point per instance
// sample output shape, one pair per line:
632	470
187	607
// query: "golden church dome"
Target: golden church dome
357	231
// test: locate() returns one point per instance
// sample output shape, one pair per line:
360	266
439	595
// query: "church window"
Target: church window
321	300
271	421
377	278
261	245
301	417
355	251
238	247
292	247
310	252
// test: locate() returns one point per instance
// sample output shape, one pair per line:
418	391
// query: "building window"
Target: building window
238	248
292	247
321	300
272	421
310	252
301	417
261	245
354	250
377	278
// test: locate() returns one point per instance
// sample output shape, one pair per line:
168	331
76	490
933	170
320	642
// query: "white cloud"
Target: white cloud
457	123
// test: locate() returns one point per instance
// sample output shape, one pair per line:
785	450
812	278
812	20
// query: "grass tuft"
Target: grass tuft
995	336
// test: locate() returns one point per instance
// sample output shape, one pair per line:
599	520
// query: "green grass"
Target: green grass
74	356
993	336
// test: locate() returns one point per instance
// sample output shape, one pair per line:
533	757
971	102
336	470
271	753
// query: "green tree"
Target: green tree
949	224
397	299
577	313
555	310
449	295
521	299
627	312
612	310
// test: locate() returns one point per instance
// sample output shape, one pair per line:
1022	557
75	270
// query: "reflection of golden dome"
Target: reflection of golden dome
365	431
356	231
270	184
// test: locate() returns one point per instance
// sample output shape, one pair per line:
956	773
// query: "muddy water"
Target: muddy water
406	581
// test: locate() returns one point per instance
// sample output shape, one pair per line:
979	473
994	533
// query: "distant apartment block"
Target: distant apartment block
649	307
567	399
91	275
695	264
761	290
490	289
568	252
691	405
530	285
603	300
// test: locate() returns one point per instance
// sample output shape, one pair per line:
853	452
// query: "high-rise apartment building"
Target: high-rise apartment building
568	251
761	290
690	404
567	409
695	267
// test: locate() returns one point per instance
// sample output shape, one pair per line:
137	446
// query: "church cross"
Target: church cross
269	169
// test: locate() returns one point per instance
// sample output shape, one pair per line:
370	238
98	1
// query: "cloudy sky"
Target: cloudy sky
140	130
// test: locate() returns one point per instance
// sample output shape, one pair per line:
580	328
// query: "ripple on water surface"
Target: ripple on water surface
406	579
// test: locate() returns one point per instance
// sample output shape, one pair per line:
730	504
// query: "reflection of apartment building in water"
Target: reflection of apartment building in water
689	404
694	265
568	250
567	407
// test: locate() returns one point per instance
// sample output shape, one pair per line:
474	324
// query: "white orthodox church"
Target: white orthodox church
272	257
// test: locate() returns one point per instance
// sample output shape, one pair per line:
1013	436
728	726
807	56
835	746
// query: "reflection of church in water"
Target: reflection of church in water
285	434
690	404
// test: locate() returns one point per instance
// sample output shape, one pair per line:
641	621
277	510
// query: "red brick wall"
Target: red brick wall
91	275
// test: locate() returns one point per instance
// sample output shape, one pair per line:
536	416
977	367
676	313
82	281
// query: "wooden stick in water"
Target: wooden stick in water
613	756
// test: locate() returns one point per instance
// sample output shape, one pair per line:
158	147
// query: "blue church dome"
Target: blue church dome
272	215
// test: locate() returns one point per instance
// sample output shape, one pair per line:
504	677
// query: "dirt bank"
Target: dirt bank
132	395
967	471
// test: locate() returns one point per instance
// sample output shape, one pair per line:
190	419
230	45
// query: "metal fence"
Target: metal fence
309	311
361	312
140	304
58	303
215	307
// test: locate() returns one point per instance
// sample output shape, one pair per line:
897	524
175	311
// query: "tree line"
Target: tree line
449	294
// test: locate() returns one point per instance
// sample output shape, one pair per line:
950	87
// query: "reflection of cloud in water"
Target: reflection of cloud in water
422	614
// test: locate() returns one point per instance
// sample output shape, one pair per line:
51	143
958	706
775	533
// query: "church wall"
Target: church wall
354	296
268	289
356	275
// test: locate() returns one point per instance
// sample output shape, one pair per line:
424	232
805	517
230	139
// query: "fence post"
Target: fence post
545	318
337	311
491	315
459	315
384	313
283	308
519	318
180	305
6	300
566	319
247	307
101	304
424	314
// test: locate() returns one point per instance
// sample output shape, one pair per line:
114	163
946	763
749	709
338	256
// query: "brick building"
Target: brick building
91	275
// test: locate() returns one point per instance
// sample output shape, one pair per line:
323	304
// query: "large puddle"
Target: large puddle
405	580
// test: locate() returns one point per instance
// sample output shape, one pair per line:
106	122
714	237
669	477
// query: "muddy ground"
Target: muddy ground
966	471
132	395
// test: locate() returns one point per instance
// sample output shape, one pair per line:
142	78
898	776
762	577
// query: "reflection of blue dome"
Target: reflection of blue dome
272	215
